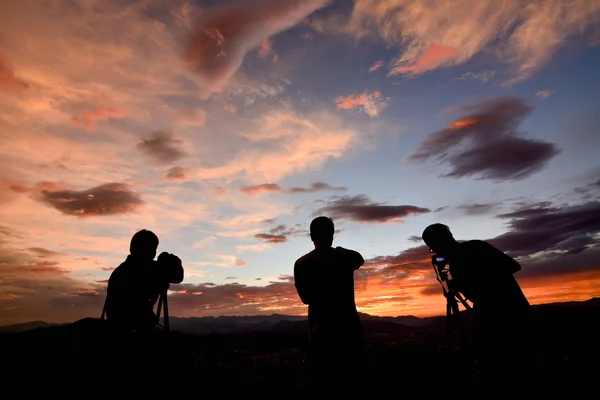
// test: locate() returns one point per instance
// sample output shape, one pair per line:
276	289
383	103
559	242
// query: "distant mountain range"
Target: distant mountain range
287	323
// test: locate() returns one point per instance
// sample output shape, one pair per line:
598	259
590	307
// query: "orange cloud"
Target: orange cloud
88	118
434	56
461	123
370	103
8	80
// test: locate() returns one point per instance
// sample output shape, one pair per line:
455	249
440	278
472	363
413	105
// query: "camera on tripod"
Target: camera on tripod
444	277
171	271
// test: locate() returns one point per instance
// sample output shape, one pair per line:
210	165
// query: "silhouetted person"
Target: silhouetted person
484	275
324	279
135	285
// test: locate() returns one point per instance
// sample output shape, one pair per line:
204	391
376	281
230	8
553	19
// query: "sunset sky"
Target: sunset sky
226	126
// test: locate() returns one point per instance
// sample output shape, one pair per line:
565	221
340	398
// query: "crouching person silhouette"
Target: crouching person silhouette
133	289
502	314
324	279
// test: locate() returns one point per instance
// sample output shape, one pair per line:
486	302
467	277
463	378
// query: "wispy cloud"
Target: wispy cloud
483	76
376	66
275	188
370	103
544	94
223	35
523	33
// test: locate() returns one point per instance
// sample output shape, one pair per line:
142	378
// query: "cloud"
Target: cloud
432	57
107	199
280	234
483	76
275	188
280	142
477	208
88	118
263	187
178	174
8	80
266	50
361	209
547	228
315	187
525	34
376	66
371	103
486	143
271	238
227	261
161	147
223	35
544	94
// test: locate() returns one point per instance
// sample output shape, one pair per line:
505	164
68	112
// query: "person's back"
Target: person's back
133	288
486	276
324	279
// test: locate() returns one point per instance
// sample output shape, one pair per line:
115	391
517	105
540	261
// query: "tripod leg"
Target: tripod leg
449	322
160	304
166	311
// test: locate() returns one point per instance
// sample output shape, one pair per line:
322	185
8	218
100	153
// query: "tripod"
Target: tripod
162	303
454	326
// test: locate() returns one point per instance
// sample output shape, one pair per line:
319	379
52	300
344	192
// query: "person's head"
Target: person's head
321	231
439	238
144	244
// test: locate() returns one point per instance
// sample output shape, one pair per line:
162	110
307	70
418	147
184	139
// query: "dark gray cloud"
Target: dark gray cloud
162	147
107	199
361	209
477	208
543	227
178	174
486	143
275	188
280	234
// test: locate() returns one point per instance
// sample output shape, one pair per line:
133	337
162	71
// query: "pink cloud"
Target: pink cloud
370	103
88	118
434	56
376	66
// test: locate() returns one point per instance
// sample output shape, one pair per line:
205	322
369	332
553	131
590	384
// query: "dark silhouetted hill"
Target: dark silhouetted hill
267	354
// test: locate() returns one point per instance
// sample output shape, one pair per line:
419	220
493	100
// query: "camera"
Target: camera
170	267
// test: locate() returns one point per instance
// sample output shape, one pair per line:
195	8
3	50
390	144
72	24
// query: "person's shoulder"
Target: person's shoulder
118	272
305	259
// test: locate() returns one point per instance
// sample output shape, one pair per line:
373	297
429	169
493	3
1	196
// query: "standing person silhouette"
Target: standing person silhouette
324	279
484	275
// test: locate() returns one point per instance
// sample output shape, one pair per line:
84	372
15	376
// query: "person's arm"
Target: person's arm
354	258
301	282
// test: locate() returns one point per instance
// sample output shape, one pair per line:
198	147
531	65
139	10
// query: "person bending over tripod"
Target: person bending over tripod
136	285
484	275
